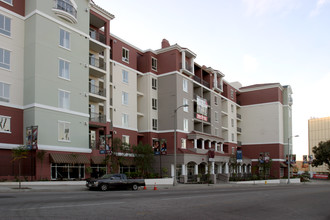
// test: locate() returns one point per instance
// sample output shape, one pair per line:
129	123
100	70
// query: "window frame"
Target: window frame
60	70
154	103
155	124
185	124
185	102
3	124
125	120
4	31
154	63
3	64
65	123
64	99
185	85
4	98
125	76
216	116
154	83
183	143
125	55
125	139
66	42
124	98
9	3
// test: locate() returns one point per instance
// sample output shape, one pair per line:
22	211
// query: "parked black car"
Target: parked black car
110	181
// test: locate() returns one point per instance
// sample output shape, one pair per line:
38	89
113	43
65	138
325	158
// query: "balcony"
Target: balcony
202	117
203	82
98	94
239	130
239	116
239	143
97	117
65	10
97	67
217	86
97	41
187	70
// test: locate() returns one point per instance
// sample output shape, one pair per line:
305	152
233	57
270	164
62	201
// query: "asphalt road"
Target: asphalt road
241	202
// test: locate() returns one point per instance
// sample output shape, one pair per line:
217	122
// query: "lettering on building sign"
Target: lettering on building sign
4	124
201	109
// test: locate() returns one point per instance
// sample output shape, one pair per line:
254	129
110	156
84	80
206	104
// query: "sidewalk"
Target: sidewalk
61	186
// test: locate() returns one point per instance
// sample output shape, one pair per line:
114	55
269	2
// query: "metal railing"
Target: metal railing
97	117
203	82
239	116
217	86
96	62
65	6
239	129
97	36
96	90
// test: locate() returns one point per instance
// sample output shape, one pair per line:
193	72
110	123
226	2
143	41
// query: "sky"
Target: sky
250	41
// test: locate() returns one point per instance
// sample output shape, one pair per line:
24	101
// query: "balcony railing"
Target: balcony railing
203	82
97	117
97	36
239	116
217	86
97	90
96	63
239	143
65	6
239	129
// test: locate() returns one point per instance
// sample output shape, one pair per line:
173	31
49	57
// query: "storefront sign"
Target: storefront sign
320	176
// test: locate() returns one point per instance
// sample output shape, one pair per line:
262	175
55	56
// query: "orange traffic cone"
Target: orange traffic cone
144	187
155	187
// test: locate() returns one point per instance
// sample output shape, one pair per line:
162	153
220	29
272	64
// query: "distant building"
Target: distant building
318	130
68	87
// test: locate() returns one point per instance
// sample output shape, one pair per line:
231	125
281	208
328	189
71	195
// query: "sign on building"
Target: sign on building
201	109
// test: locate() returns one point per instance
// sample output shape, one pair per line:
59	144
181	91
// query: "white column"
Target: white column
239	168
107	83
206	169
192	65
245	169
203	144
226	168
220	168
172	170
250	169
183	167
216	146
221	147
212	168
210	145
195	143
183	60
196	169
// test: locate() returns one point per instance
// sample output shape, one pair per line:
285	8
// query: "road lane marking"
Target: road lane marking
64	206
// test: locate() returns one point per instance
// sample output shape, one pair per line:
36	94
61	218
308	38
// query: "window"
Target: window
185	85
5	25
63	99
232	137
232	108
63	131
124	120
125	76
154	84
232	93
216	131
154	104
124	98
4	124
185	102
154	64
5	58
125	139
185	124
65	39
183	143
216	116
4	92
125	55
232	150
154	124
8	1
64	69
215	100
232	122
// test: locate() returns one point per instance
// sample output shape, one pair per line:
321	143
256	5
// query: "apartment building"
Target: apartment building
69	87
318	130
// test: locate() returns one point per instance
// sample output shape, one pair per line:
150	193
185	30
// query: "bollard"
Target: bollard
155	187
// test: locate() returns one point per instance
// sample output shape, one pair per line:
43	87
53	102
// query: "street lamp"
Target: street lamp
175	111
289	157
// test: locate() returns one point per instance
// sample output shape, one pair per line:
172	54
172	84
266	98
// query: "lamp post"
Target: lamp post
289	157
175	111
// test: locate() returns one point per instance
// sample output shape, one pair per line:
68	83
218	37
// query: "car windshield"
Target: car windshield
107	176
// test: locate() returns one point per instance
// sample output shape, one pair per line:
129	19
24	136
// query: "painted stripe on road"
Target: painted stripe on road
64	206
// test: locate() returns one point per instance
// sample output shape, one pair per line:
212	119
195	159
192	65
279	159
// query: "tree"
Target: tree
19	153
118	155
144	158
322	154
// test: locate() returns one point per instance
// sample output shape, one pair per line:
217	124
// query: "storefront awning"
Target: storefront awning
283	165
69	158
97	159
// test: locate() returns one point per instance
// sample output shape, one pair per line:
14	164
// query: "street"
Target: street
229	202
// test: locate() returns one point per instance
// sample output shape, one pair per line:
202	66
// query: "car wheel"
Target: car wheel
135	187
104	187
